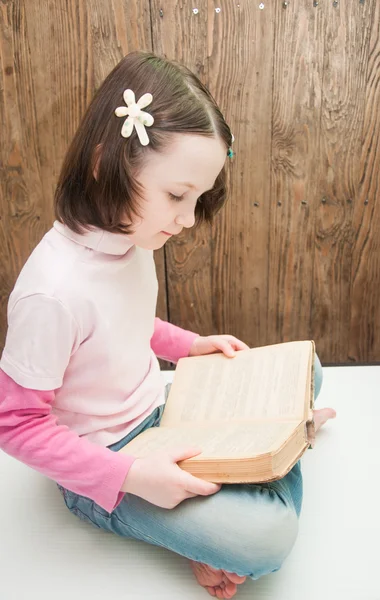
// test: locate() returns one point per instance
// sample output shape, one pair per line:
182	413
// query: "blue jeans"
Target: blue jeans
246	529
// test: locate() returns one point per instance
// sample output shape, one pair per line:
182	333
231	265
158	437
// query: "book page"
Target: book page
272	382
231	441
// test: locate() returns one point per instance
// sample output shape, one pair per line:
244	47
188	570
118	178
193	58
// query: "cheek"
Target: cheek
164	212
158	213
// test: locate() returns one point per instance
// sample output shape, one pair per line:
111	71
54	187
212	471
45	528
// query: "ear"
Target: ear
96	161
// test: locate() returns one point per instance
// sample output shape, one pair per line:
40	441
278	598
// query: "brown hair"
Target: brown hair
181	104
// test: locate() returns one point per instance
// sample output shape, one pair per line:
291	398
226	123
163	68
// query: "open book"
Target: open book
251	415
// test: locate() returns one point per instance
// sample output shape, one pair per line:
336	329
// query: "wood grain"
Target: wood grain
240	43
344	86
23	200
295	253
53	56
297	82
364	334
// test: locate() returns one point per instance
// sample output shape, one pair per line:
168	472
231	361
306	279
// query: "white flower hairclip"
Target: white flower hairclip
136	117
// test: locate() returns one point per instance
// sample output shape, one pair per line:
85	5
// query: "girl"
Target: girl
79	373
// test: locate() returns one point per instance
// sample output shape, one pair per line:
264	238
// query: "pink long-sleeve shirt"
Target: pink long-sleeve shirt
79	369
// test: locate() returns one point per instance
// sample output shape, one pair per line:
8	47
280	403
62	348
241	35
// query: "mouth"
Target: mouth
170	234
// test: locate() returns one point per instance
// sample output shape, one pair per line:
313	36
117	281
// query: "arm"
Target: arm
29	432
170	342
42	336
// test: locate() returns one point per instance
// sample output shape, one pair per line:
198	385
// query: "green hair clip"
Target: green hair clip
230	152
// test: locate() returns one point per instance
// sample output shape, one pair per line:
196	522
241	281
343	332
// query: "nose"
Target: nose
186	219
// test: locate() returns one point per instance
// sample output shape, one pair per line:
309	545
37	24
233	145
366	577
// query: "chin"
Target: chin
152	245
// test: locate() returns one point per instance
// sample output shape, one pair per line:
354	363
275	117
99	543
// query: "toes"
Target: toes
322	415
205	575
328	413
234	578
230	590
210	589
221	592
219	583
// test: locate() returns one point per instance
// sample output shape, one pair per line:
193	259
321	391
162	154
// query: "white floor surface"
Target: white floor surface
46	553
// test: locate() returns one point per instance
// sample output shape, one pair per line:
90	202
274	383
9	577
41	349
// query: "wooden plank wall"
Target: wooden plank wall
289	255
53	56
295	253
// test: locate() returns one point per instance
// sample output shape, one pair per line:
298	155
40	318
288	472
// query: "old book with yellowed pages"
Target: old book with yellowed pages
251	415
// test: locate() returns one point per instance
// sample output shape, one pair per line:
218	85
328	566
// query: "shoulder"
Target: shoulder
42	335
50	279
48	266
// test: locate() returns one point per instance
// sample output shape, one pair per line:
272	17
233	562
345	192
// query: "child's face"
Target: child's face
190	159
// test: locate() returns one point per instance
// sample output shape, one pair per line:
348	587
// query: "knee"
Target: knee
318	376
275	540
266	541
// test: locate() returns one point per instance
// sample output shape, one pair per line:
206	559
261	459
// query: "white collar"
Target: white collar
97	239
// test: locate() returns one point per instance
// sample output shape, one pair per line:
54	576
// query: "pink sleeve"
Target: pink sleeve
170	342
29	432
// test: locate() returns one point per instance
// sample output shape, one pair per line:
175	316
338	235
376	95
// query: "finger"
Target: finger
225	347
178	454
237	344
198	486
190	495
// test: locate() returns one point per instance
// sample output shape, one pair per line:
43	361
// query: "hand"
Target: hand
217	343
159	480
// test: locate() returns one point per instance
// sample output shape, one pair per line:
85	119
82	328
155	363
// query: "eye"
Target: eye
176	198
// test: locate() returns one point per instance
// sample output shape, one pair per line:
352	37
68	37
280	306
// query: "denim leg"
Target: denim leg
246	529
318	377
290	487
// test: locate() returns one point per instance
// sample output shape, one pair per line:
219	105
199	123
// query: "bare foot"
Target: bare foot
322	415
221	584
